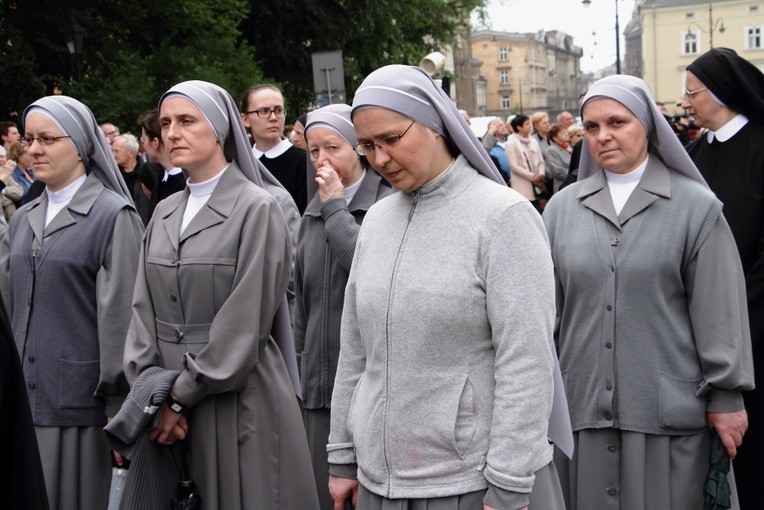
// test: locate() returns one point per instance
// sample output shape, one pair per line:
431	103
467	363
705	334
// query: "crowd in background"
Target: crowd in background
372	307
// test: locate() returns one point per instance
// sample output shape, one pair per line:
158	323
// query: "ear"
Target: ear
155	143
245	120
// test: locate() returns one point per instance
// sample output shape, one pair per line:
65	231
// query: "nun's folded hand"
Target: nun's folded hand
329	184
172	426
731	428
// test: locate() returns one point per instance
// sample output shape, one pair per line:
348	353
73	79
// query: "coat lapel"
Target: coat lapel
596	196
655	183
220	204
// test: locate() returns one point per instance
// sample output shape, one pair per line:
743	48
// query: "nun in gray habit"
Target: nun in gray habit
210	302
446	378
68	283
652	325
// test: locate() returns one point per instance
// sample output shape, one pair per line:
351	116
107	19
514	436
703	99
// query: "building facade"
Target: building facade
526	72
675	32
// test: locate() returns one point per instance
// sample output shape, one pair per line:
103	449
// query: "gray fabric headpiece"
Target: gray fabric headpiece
635	95
337	118
78	122
411	92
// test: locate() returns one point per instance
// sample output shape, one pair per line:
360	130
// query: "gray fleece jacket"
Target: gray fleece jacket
444	383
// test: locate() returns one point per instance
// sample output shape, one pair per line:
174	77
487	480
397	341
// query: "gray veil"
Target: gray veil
80	125
411	92
337	118
635	95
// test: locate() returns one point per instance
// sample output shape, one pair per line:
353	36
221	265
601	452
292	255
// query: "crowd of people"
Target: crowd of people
374	309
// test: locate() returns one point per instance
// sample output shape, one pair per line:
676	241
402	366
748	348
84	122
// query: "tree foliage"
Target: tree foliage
135	50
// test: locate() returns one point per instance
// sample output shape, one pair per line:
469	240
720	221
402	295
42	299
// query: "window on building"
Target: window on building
689	15
690	42
481	97
753	37
503	53
505	102
753	9
503	76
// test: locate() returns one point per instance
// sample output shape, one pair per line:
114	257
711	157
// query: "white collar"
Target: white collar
728	130
273	152
633	176
66	193
205	188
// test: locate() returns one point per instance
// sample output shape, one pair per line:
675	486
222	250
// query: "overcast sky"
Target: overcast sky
568	16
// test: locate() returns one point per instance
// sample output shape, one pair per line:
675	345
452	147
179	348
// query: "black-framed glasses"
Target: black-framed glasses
689	93
367	148
266	112
27	141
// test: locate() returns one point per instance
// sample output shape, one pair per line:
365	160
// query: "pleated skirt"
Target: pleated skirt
622	470
546	495
76	463
317	422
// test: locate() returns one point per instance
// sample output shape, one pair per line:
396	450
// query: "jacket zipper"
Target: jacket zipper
414	202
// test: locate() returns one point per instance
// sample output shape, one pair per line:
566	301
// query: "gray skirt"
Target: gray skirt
622	470
317	427
76	463
546	495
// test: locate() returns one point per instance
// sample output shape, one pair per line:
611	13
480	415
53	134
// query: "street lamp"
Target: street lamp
712	25
74	35
617	36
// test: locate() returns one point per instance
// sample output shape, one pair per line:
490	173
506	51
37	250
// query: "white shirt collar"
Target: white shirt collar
728	130
205	188
273	152
172	171
66	193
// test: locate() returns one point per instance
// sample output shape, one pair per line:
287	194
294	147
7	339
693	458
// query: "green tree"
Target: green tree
370	33
133	52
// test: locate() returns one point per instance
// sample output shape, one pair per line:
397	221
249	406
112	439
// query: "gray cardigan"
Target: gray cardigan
325	251
654	333
445	377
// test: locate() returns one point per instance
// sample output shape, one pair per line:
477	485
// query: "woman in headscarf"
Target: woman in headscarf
343	187
210	302
444	386
69	282
653	331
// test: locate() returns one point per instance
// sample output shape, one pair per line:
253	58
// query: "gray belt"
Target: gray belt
183	333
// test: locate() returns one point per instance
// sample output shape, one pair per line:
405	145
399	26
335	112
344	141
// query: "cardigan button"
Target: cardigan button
609	345
173	298
30	358
608	416
611	447
32	386
608	386
609	308
611	491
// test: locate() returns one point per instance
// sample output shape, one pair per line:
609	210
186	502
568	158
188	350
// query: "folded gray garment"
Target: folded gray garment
139	410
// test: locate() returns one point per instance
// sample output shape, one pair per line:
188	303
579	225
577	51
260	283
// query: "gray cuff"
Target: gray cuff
113	404
724	401
349	471
505	500
332	206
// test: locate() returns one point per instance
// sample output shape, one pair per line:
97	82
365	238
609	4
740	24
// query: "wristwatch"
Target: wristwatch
175	405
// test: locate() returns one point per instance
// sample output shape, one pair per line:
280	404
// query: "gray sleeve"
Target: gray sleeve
718	311
556	166
341	230
114	293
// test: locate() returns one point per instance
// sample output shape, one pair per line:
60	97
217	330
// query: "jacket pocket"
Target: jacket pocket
77	381
678	406
466	422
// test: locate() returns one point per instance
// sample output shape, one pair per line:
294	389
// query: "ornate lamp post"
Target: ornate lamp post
713	25
617	36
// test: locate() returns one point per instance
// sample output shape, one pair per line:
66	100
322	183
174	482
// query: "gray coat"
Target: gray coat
327	241
204	304
652	334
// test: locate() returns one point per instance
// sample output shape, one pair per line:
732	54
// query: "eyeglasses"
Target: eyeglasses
689	93
27	141
266	112
367	148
